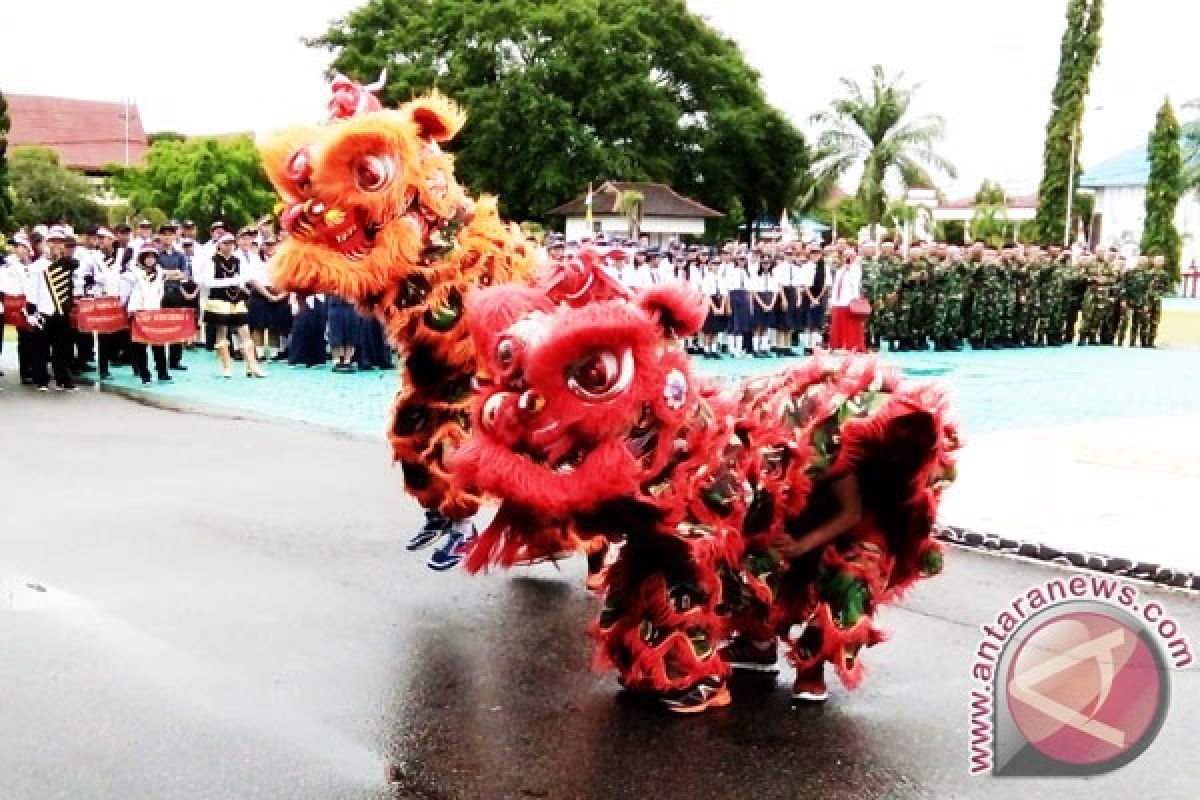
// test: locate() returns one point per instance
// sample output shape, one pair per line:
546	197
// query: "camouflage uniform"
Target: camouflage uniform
951	280
1097	301
870	290
986	291
1023	303
1125	299
1136	290
1075	284
886	287
1005	303
913	311
1160	285
1047	303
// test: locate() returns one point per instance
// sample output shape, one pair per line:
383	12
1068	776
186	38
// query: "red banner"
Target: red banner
14	311
169	326
99	315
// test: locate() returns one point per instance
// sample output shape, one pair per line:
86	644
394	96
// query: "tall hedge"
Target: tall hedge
1160	237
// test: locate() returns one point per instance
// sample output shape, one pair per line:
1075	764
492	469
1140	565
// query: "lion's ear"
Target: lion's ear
438	118
681	310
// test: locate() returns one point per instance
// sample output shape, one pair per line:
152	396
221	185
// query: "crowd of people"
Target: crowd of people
768	300
778	299
224	279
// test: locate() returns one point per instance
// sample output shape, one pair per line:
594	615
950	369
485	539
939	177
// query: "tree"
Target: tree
630	205
563	92
1191	147
991	193
1064	131
872	128
164	136
7	201
1160	237
47	192
202	179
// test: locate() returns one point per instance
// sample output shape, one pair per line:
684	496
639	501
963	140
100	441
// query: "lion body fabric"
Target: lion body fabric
374	215
590	418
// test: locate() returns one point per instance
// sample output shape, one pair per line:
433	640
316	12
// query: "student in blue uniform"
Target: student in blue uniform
718	309
766	300
307	343
741	306
343	333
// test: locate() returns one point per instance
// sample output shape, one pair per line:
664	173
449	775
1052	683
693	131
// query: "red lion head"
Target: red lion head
577	380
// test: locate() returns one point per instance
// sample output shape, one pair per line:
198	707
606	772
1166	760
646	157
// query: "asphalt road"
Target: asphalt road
197	607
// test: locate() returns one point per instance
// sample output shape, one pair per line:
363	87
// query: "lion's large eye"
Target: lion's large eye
601	375
506	351
374	173
299	167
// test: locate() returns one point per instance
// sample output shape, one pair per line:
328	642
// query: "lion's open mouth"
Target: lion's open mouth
349	232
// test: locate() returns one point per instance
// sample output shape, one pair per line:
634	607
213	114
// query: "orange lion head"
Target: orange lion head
363	196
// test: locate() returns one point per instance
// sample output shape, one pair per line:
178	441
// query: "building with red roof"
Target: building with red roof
88	135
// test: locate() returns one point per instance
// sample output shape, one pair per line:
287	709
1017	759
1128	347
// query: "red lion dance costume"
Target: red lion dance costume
375	216
589	418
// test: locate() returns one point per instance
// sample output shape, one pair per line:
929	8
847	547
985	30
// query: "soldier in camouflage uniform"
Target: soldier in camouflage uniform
1115	265
950	281
985	298
924	305
1005	299
1048	303
887	287
1075	283
1023	302
907	289
1135	292
1097	300
871	264
1160	285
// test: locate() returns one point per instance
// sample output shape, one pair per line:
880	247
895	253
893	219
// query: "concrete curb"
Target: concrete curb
1036	551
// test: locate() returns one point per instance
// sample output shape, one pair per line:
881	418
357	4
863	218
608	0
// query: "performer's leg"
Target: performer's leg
660	625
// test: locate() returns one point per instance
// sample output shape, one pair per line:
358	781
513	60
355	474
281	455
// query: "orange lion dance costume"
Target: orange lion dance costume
743	511
375	216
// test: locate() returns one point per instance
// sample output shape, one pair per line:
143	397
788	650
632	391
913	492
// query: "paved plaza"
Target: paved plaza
224	608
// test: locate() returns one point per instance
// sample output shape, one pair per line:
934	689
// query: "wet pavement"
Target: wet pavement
196	607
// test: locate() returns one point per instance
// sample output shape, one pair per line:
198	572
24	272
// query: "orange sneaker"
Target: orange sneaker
708	693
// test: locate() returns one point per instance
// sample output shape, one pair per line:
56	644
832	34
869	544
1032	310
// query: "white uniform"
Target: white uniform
145	292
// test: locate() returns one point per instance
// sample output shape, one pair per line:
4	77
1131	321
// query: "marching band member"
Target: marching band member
16	278
48	309
146	294
111	278
225	309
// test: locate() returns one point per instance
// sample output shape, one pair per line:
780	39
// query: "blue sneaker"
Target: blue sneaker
462	537
436	525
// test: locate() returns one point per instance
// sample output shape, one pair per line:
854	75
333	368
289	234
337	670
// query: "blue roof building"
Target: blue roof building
1119	214
1131	168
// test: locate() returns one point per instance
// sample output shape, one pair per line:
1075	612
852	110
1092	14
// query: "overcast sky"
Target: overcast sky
988	68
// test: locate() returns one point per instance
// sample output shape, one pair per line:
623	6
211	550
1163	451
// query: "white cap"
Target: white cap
105	233
20	238
226	237
57	232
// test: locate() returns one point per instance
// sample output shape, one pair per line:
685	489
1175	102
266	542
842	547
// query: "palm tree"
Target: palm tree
630	204
1191	147
872	128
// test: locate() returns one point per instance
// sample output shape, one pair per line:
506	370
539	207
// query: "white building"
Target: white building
1119	214
665	214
